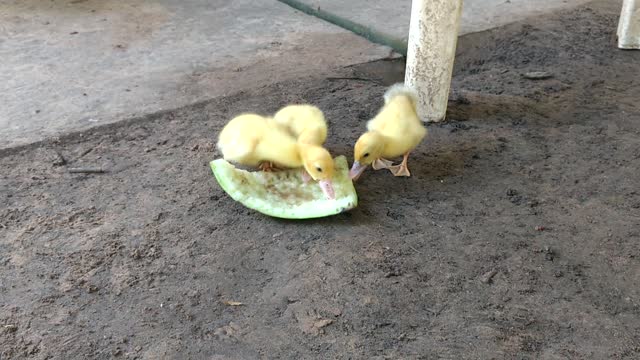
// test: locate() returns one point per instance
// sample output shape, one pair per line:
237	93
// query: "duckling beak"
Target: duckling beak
327	189
356	170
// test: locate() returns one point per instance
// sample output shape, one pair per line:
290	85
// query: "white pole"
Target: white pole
433	35
629	25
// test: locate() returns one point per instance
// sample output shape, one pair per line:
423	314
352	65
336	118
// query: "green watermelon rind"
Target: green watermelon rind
283	194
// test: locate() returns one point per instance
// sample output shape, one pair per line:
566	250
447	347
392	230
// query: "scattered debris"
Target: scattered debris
322	323
540	228
414	249
228	331
354	78
487	277
84	153
232	303
548	254
10	328
136	254
86	170
392	273
59	160
206	146
537	75
514	197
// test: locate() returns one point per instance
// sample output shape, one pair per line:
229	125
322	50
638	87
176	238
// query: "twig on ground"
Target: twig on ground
86	170
354	78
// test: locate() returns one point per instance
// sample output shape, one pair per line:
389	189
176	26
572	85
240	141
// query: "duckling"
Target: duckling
252	140
395	131
305	122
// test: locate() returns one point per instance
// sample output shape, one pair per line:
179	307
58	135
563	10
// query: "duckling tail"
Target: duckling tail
400	89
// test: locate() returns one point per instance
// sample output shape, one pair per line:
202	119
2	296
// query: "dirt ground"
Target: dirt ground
516	238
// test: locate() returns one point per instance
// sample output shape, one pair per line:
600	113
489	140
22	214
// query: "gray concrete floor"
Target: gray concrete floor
70	65
392	17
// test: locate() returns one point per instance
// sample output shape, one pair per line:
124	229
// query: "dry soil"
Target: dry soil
517	237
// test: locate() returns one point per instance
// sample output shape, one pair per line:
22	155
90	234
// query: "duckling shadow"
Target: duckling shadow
467	105
431	164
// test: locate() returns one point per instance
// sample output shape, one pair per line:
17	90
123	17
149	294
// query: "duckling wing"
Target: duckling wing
306	121
239	139
399	123
397	117
238	148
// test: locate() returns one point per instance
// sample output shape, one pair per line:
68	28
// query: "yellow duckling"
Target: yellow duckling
252	140
305	122
395	131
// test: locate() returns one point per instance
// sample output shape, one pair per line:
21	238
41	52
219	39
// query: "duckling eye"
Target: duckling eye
319	169
366	155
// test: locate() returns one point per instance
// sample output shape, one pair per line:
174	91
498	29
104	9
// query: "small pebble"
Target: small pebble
538	75
488	276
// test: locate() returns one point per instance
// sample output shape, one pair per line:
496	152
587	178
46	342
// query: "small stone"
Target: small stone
323	323
136	254
10	328
538	75
488	276
393	273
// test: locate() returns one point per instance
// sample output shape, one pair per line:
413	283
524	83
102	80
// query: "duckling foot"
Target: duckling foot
381	164
402	169
267	166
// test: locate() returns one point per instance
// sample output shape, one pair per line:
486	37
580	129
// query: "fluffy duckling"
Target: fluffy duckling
305	122
252	140
395	131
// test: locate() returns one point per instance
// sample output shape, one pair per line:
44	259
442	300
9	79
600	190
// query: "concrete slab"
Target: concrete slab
391	18
70	65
